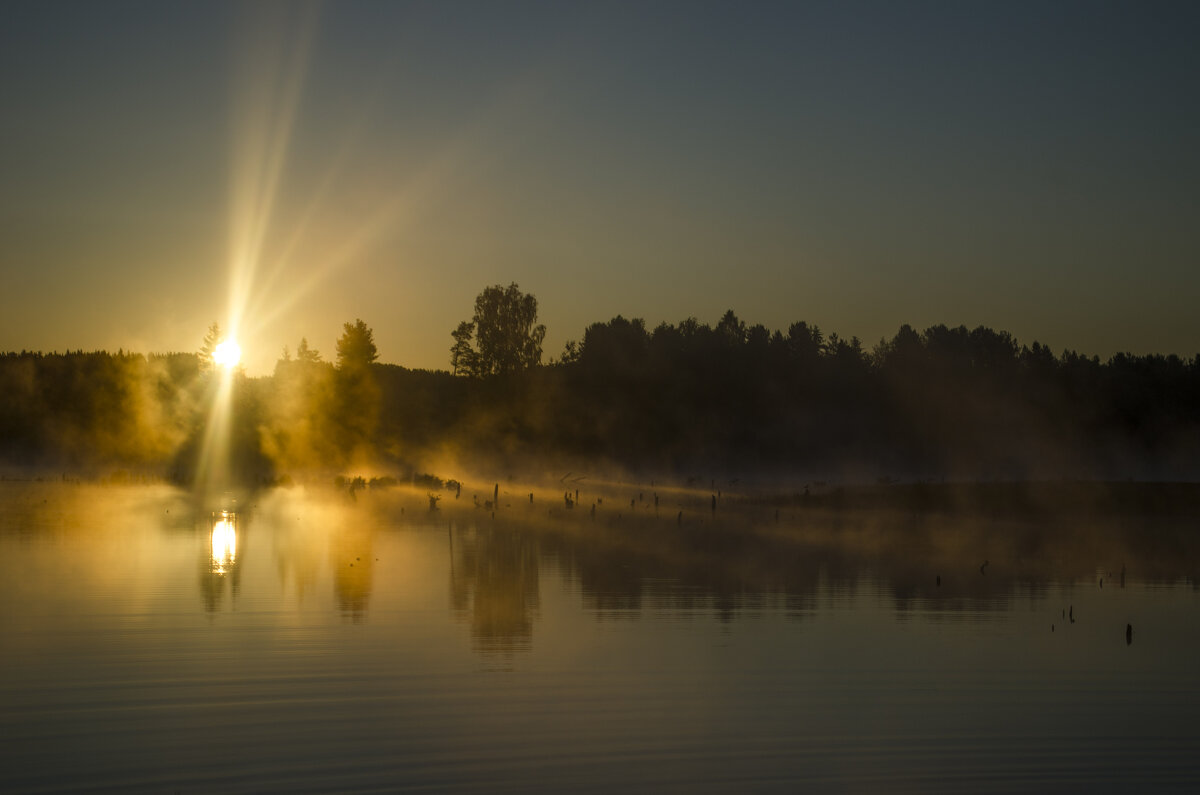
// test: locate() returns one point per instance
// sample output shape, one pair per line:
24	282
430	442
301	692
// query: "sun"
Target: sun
227	354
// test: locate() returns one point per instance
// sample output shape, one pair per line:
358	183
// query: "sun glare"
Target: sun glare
224	543
227	354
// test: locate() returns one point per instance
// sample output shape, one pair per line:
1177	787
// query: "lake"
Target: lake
311	640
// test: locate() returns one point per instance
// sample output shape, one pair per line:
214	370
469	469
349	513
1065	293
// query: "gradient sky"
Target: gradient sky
1032	167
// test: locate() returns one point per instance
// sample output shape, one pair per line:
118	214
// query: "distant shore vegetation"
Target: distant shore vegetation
729	399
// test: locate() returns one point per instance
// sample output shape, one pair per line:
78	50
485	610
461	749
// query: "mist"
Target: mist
725	403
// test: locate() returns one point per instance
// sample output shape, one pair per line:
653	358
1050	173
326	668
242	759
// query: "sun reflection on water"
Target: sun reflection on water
224	542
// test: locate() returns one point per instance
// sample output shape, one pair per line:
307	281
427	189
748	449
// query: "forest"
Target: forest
683	399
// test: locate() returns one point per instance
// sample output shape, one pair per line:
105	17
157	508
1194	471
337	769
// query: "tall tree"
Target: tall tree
357	396
312	355
356	347
508	337
463	360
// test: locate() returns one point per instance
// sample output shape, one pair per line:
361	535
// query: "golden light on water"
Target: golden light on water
224	543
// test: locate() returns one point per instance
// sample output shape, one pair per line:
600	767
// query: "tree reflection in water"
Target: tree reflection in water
494	586
745	561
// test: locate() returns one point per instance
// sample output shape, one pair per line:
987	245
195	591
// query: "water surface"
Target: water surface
314	642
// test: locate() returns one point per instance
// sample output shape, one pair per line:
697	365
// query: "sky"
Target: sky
284	169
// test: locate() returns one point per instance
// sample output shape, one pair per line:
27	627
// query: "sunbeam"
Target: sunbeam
431	186
274	56
275	263
214	467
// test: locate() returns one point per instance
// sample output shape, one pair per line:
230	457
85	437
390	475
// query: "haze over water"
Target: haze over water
310	641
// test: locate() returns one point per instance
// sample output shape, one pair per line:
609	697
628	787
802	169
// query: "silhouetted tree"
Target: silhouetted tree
947	402
805	343
312	356
731	330
463	359
355	348
619	344
357	404
508	338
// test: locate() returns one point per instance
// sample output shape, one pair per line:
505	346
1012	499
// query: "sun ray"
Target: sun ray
275	56
275	59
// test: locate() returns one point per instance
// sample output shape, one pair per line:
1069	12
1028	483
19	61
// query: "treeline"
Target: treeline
947	402
96	409
687	398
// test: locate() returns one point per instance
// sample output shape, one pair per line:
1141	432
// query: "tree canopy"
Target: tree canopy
355	348
312	355
506	335
945	402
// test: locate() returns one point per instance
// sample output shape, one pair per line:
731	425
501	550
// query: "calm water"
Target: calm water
329	645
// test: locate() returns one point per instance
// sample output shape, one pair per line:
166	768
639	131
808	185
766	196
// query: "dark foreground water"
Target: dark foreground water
309	644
